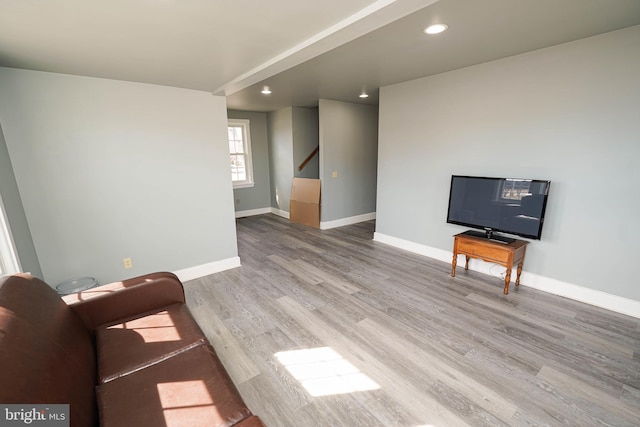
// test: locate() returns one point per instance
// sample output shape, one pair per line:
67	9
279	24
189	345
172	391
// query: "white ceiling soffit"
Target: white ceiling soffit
372	17
479	31
195	44
303	49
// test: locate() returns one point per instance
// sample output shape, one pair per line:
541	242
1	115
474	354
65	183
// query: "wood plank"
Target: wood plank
444	351
413	399
440	370
597	398
240	366
327	278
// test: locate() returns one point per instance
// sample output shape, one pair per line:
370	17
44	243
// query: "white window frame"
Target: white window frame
246	136
9	263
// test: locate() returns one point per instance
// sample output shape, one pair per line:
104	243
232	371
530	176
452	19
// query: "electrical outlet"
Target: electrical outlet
127	263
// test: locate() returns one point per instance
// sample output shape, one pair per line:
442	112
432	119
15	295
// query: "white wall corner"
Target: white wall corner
589	296
279	212
202	270
326	225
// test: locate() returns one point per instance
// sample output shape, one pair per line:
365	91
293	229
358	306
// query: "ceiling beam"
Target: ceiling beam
372	17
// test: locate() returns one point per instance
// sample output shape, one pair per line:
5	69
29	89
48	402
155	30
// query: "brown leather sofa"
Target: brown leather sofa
124	354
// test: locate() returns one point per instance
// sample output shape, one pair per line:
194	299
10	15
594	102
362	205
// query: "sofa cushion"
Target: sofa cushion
189	389
46	353
134	343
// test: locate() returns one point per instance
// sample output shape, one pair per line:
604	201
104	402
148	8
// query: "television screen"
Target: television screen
508	205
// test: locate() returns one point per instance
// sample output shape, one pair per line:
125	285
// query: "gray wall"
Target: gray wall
16	217
348	146
109	169
293	134
258	196
305	140
568	113
280	129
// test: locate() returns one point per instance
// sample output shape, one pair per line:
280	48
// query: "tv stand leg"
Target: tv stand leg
507	279
518	274
454	261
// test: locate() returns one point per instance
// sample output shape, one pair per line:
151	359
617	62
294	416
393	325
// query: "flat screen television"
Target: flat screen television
505	205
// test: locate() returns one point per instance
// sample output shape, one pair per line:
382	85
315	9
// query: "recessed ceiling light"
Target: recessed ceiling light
363	95
436	28
265	90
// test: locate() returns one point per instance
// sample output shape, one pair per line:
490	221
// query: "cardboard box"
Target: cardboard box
304	207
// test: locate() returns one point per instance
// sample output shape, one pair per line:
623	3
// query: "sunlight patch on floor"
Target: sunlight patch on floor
322	371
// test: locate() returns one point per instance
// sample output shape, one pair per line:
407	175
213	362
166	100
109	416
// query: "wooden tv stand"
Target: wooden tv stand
505	254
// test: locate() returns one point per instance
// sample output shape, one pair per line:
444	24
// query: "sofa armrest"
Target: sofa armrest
252	421
118	300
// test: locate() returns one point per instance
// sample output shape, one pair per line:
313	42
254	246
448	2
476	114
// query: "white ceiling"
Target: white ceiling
304	50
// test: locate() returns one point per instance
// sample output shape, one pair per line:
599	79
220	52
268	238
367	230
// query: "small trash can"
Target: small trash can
76	285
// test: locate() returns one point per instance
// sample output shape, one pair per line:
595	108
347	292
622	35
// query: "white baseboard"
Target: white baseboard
279	212
416	248
261	211
207	269
325	225
594	297
252	212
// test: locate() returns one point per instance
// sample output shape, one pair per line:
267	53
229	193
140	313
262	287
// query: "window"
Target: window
240	151
8	260
515	189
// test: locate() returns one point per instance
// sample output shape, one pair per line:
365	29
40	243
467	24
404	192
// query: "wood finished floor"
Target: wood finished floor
444	351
